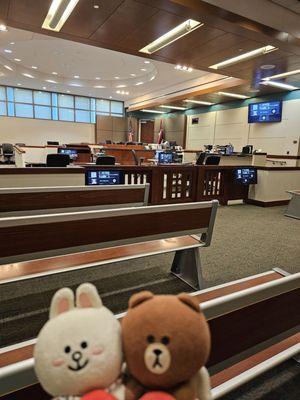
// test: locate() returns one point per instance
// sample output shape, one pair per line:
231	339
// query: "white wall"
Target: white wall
231	126
36	132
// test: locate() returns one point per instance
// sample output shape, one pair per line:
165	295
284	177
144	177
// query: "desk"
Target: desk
293	209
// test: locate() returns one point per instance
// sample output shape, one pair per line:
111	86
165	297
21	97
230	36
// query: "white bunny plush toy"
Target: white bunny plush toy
78	354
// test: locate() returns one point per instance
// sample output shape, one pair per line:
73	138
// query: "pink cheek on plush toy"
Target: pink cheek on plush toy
96	351
58	362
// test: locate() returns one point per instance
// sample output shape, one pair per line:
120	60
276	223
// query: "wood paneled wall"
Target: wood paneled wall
174	128
111	128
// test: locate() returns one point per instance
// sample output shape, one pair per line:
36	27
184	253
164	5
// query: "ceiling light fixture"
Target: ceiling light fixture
33	67
174	34
8	67
76	76
279	85
153	111
132	74
12	43
234	95
96	6
54	73
146	62
58	13
7	51
139	83
44	87
203	103
75	84
183	68
173	107
121	86
242	57
3	28
99	87
17	59
283	75
122	92
19	84
97	78
117	77
143	69
152	77
28	75
50	81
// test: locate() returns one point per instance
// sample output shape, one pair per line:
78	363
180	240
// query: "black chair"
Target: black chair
106	160
212	160
58	160
108	142
201	158
8	152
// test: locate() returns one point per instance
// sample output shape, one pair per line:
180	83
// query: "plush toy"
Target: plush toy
166	342
79	350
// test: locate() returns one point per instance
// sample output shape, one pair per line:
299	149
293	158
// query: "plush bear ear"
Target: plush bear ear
189	301
62	301
139	298
87	296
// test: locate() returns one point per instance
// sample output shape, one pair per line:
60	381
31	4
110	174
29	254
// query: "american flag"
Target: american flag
160	137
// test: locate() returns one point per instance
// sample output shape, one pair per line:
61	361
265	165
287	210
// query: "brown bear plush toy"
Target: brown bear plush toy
166	345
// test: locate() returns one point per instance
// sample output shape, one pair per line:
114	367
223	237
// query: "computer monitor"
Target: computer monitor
165	158
72	153
102	177
246	176
50	143
247	149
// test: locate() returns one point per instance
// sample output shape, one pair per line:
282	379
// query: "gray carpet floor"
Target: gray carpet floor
247	240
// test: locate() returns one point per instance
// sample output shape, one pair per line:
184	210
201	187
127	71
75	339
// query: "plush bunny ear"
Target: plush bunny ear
189	301
87	296
139	298
62	301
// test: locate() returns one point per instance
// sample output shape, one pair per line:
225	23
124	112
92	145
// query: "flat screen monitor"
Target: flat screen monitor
100	177
246	176
265	112
72	153
165	158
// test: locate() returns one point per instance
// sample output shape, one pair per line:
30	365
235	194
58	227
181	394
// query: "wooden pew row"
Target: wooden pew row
41	200
250	326
137	232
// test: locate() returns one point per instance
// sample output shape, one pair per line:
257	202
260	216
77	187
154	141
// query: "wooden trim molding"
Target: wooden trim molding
284	156
267	203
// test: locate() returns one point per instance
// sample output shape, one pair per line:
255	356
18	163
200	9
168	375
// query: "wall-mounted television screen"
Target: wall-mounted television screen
246	176
270	111
98	177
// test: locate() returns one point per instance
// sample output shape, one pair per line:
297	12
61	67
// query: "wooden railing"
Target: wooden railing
185	183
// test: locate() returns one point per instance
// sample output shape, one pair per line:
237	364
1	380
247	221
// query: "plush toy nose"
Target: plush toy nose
76	356
157	352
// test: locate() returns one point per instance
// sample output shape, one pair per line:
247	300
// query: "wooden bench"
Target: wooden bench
118	234
250	326
41	200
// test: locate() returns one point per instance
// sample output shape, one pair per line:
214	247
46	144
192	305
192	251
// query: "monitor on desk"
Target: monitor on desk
165	157
72	153
246	176
104	177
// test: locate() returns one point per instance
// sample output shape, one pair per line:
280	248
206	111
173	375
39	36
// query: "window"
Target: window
27	103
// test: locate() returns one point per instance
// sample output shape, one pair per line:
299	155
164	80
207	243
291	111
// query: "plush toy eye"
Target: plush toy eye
150	339
83	345
165	340
67	349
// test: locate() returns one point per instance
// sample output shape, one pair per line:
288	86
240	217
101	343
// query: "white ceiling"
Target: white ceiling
68	59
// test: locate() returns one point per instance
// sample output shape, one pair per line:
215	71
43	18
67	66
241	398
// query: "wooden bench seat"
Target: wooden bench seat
46	200
264	336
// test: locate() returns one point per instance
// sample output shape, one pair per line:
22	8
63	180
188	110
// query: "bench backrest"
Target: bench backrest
35	236
41	200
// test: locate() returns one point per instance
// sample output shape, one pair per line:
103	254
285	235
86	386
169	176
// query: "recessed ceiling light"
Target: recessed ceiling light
96	6
183	68
28	75
76	76
243	57
3	28
19	84
283	75
139	83
235	95
12	43
279	85
132	74
75	84
173	107
17	59
267	66
8	67
68	91
152	77
50	81
7	51
54	73
174	34
203	103
58	13
122	92
33	67
110	97
97	78
153	111
143	69
99	87
117	77
120	86
146	62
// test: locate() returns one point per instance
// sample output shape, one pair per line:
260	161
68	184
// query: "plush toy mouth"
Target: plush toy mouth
157	363
78	366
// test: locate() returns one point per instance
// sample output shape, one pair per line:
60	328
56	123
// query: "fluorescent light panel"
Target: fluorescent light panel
58	13
243	57
234	95
173	107
153	111
279	85
204	103
283	75
174	34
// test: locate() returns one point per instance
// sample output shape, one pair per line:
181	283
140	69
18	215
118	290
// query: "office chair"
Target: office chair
212	160
201	158
106	160
108	142
58	160
8	152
